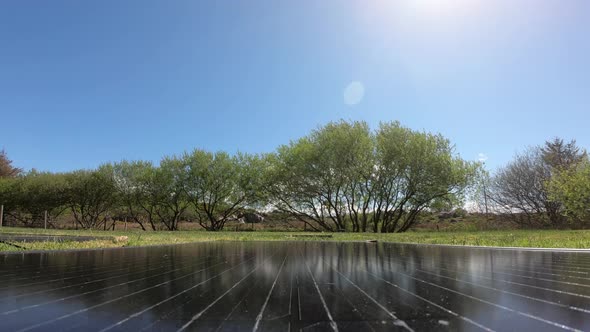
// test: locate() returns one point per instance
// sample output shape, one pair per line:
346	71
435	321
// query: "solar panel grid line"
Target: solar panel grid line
43	273
61	274
168	313
534	272
521	284
200	313
162	266
558	270
333	324
541	309
66	266
533	269
578	257
252	303
61	279
227	317
453	313
84	277
526	276
299	315
284	291
259	317
397	320
94	291
163	317
107	269
544	279
495	279
578	294
112	300
571	267
561	305
557	264
138	313
297	284
524	314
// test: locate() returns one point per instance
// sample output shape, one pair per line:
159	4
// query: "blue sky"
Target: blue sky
82	83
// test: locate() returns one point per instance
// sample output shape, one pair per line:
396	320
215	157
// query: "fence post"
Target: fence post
1	214
45	222
125	223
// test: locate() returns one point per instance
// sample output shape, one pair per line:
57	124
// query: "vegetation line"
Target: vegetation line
558	239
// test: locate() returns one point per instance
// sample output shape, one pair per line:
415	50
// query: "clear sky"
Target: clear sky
86	82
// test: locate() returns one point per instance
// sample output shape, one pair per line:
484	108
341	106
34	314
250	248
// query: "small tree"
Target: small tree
415	170
558	155
36	193
90	195
572	188
220	185
521	187
131	180
324	179
164	188
6	168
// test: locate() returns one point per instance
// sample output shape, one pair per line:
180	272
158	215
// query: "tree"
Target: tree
558	155
6	168
478	194
342	173
90	195
131	180
324	178
572	188
165	192
521	187
220	185
36	193
414	170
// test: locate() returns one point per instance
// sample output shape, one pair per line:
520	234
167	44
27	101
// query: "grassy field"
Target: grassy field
514	238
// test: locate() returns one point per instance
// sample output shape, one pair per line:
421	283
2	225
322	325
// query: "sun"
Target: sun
440	7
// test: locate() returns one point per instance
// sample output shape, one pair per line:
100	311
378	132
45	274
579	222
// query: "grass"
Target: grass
513	238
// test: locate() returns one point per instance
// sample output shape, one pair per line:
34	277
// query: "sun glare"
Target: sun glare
441	7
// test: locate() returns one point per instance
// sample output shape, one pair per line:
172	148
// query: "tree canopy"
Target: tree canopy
7	170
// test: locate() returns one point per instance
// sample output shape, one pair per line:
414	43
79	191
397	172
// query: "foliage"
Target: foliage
414	171
131	180
90	195
341	177
521	187
344	173
165	190
572	188
219	185
6	168
324	177
511	238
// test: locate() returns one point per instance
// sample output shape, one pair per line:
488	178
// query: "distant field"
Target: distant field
514	238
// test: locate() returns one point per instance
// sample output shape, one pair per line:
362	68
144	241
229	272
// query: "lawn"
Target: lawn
514	238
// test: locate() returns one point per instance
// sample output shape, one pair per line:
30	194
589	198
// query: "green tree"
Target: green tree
220	185
165	192
571	187
343	174
521	187
414	171
131	179
34	193
90	195
324	178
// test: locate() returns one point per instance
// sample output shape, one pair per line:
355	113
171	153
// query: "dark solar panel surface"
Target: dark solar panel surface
282	286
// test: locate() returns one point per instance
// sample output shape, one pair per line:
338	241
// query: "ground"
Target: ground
512	238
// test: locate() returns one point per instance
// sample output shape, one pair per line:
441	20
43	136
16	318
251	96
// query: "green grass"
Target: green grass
513	238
